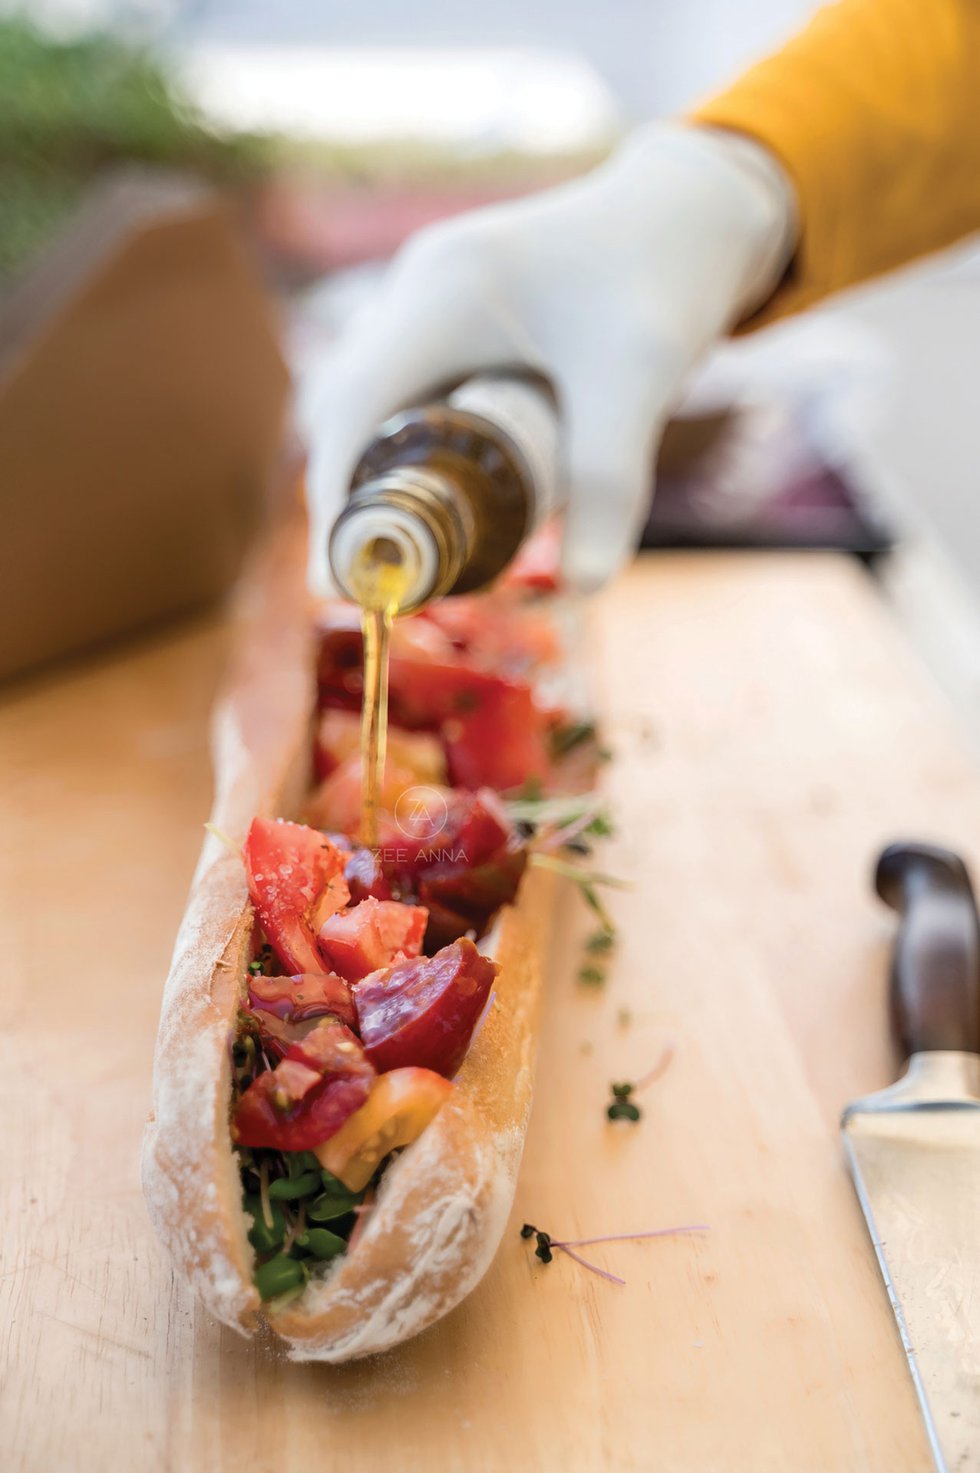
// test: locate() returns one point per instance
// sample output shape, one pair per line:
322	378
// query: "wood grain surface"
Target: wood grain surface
771	732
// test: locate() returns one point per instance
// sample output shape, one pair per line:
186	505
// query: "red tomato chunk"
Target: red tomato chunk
295	880
365	876
307	1097
423	1011
371	935
502	741
295	999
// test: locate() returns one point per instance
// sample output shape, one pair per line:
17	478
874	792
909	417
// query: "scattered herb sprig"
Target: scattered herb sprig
597	947
543	1250
569	735
539	813
622	1106
546	1244
588	882
601	940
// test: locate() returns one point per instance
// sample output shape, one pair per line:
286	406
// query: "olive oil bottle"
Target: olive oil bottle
450	490
440	502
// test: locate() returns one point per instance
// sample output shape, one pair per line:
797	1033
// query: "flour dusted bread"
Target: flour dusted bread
260	752
443	1202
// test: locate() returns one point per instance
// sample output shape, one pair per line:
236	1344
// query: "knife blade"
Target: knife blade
914	1148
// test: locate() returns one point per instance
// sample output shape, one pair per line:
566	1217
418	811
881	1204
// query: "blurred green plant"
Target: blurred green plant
72	108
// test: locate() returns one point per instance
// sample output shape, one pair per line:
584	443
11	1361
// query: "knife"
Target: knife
914	1148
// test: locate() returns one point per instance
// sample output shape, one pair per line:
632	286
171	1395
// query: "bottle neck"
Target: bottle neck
402	540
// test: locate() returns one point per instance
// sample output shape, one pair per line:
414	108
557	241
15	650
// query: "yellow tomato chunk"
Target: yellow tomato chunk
396	1112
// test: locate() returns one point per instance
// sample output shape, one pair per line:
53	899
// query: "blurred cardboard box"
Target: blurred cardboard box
142	397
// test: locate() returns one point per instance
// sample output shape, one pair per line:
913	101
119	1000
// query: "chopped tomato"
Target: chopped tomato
462	864
398	1109
408	834
339	737
365	876
481	824
417	639
370	935
420	751
461	899
467	826
422	694
497	631
294	999
340	657
277	1035
493	731
424	1011
295	880
331	1049
324	1078
501	741
445	926
336	804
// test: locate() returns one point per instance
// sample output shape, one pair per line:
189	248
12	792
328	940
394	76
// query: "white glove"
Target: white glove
613	286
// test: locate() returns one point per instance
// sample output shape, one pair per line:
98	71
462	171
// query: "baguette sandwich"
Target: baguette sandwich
344	1066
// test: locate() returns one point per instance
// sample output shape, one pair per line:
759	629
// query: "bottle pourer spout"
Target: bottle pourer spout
367	539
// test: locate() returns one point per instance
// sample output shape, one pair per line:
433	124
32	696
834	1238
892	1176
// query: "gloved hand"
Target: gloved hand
613	286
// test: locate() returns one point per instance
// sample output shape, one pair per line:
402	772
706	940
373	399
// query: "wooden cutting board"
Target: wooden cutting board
771	732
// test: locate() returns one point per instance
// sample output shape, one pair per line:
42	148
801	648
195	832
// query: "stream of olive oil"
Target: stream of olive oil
379	586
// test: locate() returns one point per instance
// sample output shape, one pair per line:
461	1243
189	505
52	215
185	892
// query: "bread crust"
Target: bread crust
443	1203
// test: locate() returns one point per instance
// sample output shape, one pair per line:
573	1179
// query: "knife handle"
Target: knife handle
935	977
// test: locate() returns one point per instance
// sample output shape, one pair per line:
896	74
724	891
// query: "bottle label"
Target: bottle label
526	415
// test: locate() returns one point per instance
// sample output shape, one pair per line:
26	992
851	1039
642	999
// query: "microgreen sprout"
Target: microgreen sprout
623	1106
604	939
543	1249
547	1244
659	1068
264	1197
257	967
597	945
290	1198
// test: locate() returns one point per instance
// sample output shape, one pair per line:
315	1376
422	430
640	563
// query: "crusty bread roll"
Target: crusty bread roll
444	1202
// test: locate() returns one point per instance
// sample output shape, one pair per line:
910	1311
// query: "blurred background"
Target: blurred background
193	196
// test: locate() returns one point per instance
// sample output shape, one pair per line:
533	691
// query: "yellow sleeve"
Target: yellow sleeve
874	111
